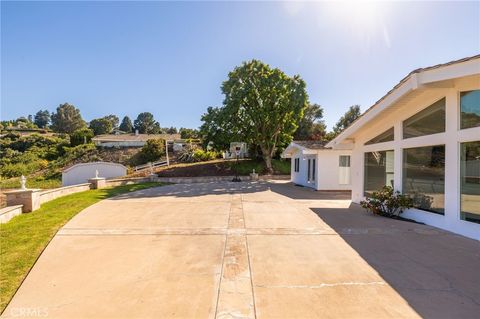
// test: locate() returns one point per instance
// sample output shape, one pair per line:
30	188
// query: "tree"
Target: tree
348	118
264	105
81	136
187	133
42	118
101	126
113	119
311	126
67	119
146	124
215	128
126	125
153	150
171	130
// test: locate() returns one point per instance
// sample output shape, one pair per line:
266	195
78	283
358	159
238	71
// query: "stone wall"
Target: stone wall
48	195
9	212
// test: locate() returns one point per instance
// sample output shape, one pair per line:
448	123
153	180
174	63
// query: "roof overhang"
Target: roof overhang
439	76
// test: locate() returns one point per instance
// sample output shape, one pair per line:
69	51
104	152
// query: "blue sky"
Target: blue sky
169	58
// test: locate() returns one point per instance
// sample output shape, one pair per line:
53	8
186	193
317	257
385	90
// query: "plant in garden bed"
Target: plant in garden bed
387	202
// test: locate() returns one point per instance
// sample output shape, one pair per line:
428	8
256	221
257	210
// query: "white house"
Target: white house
318	167
423	138
131	140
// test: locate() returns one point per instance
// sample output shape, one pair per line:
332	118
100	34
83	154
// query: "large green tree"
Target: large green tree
67	119
263	105
126	125
215	128
348	118
42	118
311	126
101	126
146	124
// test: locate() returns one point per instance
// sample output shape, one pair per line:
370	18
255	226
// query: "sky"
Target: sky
170	58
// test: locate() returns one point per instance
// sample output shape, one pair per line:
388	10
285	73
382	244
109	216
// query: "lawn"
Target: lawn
33	182
23	238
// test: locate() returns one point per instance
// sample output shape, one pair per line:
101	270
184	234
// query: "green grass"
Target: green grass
24	237
31	183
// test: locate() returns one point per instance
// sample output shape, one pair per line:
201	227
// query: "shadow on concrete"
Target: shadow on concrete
436	272
283	188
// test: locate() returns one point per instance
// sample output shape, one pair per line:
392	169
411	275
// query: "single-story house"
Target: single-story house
131	140
423	138
319	167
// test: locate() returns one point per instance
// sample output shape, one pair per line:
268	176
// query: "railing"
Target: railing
151	165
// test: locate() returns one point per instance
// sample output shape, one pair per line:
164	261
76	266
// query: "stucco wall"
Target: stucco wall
327	170
451	138
48	195
81	173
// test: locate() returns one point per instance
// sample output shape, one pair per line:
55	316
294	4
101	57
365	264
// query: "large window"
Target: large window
470	181
378	171
424	177
386	136
469	109
428	121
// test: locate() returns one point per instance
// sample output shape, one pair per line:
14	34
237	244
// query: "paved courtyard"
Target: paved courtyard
248	250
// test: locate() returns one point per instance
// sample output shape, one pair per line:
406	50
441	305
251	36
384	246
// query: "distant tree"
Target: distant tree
126	125
81	136
146	124
264	105
171	130
67	119
112	119
42	118
215	128
348	118
30	118
311	126
101	126
187	133
153	150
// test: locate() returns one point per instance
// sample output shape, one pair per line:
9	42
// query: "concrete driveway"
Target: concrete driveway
247	250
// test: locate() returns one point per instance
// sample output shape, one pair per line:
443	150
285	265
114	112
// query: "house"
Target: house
130	140
239	149
422	138
319	167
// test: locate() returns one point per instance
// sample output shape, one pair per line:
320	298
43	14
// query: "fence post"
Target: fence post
166	150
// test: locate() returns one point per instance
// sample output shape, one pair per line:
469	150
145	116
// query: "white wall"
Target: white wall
452	138
80	173
327	170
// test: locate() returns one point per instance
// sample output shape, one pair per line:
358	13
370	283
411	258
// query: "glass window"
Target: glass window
378	171
344	161
424	177
297	165
470	181
386	136
470	109
428	121
313	169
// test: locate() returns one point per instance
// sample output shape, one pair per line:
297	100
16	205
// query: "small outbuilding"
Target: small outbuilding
319	167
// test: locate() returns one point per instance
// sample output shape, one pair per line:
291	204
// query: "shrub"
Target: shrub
81	136
153	150
192	153
386	202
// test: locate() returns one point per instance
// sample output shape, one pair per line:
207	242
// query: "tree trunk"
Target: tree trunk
267	157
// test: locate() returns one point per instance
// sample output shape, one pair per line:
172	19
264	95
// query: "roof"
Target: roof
313	145
304	147
134	137
410	76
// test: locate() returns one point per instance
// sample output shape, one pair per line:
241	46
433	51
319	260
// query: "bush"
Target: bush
386	202
81	136
153	150
192	153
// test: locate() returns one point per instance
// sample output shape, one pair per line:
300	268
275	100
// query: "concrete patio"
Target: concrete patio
248	250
